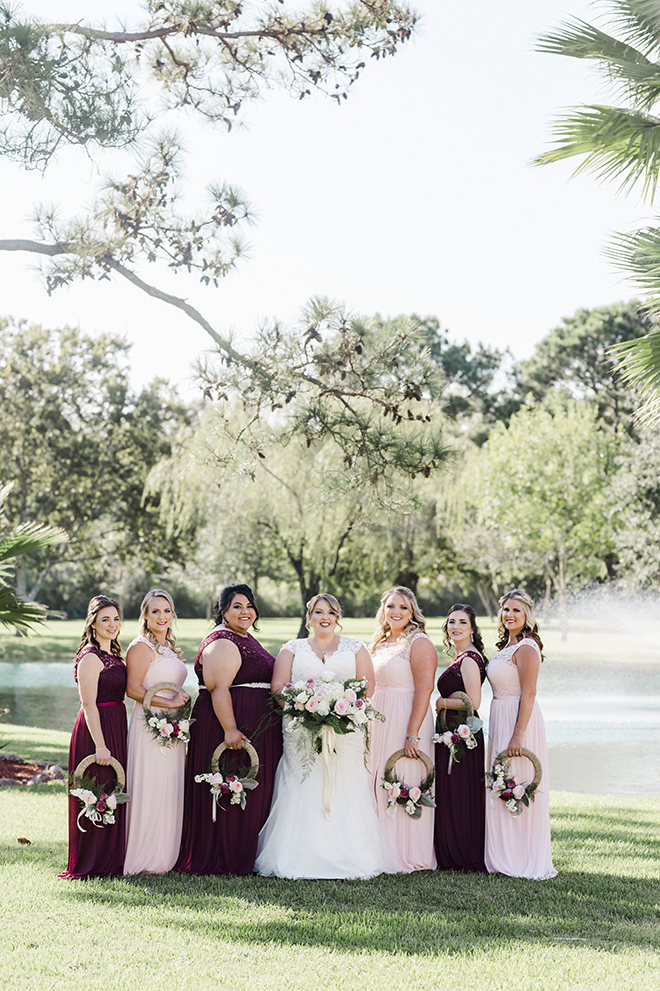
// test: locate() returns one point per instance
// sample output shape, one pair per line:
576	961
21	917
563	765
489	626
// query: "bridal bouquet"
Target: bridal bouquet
516	797
342	705
460	739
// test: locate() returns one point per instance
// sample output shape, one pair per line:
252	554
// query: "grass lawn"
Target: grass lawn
596	926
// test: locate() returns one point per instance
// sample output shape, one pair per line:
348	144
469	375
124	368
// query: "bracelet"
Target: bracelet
444	702
413	739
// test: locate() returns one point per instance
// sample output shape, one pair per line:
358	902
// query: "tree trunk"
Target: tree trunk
546	599
563	618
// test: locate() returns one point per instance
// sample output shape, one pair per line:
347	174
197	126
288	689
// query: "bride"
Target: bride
298	839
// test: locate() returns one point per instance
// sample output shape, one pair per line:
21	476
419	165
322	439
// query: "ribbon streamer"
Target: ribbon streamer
329	766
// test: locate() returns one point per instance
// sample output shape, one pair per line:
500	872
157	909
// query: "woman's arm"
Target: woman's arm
364	668
423	662
282	670
89	669
528	664
221	661
471	682
138	661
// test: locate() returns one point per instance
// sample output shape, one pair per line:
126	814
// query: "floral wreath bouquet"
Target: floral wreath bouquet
399	793
167	726
230	786
98	805
462	737
501	785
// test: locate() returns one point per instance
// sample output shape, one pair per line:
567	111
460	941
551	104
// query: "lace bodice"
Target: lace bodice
307	664
112	679
166	665
256	662
392	663
502	672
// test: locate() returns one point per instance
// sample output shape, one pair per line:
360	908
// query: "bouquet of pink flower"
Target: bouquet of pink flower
460	739
231	786
342	705
412	798
169	726
501	785
98	805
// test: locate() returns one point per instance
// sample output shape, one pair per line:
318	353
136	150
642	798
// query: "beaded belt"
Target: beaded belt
253	684
110	703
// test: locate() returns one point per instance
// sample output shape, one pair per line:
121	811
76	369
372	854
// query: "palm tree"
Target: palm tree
24	539
622	142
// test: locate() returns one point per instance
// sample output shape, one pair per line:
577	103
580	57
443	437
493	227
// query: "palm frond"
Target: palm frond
17	612
639	20
618	143
638	254
29	537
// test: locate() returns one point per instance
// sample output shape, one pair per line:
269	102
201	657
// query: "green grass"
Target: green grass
596	926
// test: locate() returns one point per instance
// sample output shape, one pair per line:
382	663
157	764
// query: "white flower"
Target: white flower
292	726
112	802
446	738
499	784
464	731
216	779
298	685
512	805
88	797
323	708
301	698
330	676
359	717
519	791
471	743
184	725
410	808
235	786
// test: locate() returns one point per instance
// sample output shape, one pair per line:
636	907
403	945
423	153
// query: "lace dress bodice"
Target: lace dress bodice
112	679
307	664
503	673
392	663
165	666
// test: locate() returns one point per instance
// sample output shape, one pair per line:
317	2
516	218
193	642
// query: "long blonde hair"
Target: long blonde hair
416	625
143	623
530	629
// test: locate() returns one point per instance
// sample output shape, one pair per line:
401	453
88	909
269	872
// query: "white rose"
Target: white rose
359	718
330	676
112	802
89	798
184	725
298	685
301	698
446	738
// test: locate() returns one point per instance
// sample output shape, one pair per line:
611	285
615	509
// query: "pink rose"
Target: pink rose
235	786
415	793
320	692
166	730
350	695
342	707
101	806
312	704
394	790
464	731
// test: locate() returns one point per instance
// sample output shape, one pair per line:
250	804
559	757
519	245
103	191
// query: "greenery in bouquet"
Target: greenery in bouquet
460	739
501	785
169	726
230	786
98	805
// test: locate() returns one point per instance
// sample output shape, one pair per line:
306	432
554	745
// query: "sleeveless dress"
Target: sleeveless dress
99	852
298	840
518	846
409	841
460	797
154	777
229	845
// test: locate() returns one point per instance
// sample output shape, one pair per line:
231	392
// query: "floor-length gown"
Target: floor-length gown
517	845
298	839
99	851
154	777
229	845
460	796
409	841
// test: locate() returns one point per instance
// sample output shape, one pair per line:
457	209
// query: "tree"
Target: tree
636	495
16	610
537	493
77	446
622	142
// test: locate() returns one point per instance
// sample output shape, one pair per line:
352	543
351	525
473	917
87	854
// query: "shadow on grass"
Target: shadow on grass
427	912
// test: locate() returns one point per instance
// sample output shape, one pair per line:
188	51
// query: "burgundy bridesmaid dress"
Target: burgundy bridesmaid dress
99	851
229	845
460	797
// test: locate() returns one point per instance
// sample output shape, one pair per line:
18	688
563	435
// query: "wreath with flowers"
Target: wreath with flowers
463	736
501	785
167	726
98	805
412	797
230	786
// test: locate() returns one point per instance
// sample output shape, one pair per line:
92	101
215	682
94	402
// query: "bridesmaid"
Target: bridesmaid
460	797
154	773
234	673
99	729
520	846
405	663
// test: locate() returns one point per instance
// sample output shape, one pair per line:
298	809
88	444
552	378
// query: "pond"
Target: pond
602	718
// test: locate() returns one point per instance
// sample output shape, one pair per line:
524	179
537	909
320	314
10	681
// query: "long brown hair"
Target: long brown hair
477	639
143	623
530	629
417	622
95	606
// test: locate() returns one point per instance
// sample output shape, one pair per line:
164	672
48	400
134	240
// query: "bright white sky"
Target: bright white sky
416	195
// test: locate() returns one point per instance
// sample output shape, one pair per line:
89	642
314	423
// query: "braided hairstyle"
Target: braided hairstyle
95	606
477	639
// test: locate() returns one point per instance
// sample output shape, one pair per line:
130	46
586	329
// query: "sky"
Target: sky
416	195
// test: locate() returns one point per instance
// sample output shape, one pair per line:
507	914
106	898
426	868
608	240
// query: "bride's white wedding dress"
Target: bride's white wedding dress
298	840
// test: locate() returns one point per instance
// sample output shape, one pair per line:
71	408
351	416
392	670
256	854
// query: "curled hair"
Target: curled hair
95	606
417	622
226	598
333	603
477	639
143	622
530	629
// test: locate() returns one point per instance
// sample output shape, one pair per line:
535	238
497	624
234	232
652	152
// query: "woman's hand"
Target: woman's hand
411	747
515	744
234	739
102	755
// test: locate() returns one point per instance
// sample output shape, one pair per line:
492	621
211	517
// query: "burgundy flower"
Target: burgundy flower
511	783
175	729
101	806
224	788
405	792
506	795
102	796
230	777
455	738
